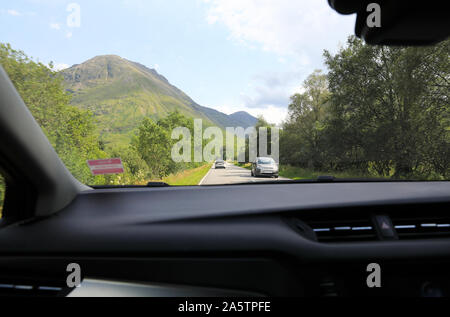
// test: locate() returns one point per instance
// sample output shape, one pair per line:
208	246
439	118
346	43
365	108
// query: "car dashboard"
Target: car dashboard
277	240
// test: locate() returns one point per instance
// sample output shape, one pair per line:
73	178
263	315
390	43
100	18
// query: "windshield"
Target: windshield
265	161
2	194
132	92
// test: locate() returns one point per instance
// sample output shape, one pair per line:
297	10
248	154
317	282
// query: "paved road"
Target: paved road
232	175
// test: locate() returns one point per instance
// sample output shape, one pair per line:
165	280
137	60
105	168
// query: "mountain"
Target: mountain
121	93
232	120
244	119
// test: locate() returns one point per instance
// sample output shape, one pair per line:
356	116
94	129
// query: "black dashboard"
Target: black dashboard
252	240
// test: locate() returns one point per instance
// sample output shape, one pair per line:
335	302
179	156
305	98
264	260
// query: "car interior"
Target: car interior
303	239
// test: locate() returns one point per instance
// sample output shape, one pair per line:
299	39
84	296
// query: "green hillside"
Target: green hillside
121	93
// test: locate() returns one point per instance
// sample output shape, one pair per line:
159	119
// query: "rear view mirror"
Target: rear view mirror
399	22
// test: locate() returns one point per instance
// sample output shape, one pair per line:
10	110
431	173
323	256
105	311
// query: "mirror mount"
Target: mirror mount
401	22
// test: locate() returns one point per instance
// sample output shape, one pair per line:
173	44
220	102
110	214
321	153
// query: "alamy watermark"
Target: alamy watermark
74	17
374	18
74	278
374	278
240	144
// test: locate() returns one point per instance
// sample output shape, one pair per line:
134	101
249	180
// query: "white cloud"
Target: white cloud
16	13
60	66
55	26
272	89
271	114
284	27
69	35
13	12
297	32
269	96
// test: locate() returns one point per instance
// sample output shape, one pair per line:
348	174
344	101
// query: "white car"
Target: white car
219	164
265	166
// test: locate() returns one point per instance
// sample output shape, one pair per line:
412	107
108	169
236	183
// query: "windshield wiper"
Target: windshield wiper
157	184
333	179
149	185
318	180
326	179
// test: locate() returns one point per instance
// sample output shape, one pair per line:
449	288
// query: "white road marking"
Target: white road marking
207	174
232	175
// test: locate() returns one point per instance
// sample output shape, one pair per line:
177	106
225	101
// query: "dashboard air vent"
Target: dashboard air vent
386	223
344	230
422	226
29	290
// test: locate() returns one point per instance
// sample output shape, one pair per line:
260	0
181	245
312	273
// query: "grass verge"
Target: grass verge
244	165
190	177
297	173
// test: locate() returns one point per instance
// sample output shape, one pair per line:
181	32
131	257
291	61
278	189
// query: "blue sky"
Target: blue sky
230	55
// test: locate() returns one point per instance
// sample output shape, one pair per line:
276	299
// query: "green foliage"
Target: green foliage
380	111
302	137
262	123
121	94
190	177
74	132
174	120
152	144
71	131
136	169
243	165
299	173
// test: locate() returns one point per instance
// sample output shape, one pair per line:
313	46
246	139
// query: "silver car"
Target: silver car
219	164
265	166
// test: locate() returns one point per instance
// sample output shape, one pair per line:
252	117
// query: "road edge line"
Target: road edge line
207	174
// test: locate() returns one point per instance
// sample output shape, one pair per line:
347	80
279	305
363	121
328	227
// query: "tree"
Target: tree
303	132
389	106
382	111
152	144
263	124
136	169
175	120
70	130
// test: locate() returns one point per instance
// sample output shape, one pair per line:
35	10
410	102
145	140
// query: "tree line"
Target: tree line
378	111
